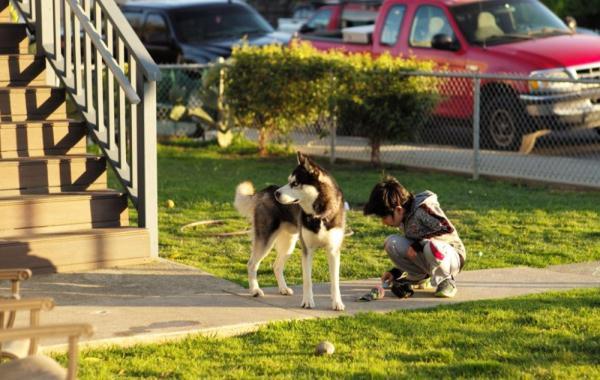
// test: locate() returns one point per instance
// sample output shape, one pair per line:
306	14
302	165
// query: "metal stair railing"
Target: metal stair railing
111	78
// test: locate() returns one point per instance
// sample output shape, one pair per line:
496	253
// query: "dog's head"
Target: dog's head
304	184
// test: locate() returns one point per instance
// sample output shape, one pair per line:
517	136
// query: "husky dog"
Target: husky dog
310	208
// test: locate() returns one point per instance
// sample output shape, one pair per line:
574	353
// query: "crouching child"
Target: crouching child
429	251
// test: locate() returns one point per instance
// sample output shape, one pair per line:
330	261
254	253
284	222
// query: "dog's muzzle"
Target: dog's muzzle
278	199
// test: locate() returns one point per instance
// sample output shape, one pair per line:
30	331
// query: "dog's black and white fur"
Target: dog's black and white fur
310	208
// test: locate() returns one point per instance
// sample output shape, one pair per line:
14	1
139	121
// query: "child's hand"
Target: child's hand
411	254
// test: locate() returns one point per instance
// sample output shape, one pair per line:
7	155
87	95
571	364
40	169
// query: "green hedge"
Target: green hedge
275	89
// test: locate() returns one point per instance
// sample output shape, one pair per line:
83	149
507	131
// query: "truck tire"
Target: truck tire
504	123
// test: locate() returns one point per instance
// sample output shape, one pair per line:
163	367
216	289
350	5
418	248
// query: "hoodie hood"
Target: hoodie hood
426	197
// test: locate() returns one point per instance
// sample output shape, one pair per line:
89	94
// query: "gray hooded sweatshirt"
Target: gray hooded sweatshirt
426	220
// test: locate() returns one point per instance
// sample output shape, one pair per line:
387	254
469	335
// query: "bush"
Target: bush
275	89
383	101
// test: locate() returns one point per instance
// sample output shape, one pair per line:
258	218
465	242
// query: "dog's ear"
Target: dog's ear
301	158
308	164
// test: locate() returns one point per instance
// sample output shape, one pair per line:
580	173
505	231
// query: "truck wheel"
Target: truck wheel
502	123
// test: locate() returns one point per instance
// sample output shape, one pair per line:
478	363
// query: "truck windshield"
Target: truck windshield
214	23
501	22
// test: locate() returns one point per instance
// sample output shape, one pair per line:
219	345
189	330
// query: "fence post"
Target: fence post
476	125
147	161
332	142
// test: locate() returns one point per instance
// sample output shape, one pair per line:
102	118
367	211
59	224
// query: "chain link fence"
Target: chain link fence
179	94
540	129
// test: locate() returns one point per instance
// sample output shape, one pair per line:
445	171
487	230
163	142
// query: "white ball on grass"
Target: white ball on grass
325	348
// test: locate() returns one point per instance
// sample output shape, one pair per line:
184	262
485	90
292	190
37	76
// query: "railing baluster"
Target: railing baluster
88	64
99	75
68	40
122	111
111	90
78	73
134	124
57	34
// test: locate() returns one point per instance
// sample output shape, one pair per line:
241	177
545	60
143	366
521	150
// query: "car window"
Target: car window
303	12
135	19
155	29
231	21
428	22
320	20
506	21
392	24
358	17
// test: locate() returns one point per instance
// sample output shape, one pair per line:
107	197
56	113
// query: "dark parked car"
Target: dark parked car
197	31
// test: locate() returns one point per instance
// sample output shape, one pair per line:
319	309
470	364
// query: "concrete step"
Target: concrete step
69	211
52	174
32	103
13	38
22	70
41	138
76	250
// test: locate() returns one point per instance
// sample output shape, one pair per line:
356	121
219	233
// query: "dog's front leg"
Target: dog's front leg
333	258
308	301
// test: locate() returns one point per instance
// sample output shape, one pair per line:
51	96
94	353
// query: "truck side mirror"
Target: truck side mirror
444	42
306	29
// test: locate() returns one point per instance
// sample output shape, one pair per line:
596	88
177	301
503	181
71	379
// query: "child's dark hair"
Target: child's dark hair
386	196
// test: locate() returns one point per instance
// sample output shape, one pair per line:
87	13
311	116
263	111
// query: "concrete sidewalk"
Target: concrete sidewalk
164	300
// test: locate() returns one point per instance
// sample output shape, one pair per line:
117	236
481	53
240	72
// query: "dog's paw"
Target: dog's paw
338	305
308	303
286	291
257	292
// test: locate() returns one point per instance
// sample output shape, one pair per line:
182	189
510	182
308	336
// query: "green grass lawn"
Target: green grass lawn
553	335
501	224
549	336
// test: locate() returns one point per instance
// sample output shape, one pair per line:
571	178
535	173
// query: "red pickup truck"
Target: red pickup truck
517	37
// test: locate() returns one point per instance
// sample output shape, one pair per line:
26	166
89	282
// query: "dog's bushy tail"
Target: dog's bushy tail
244	199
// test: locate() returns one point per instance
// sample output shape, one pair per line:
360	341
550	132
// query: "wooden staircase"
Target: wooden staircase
56	212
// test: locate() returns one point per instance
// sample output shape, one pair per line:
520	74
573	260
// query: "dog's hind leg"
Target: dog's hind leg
260	249
284	245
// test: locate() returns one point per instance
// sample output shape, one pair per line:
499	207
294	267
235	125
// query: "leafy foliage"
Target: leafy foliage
383	102
274	89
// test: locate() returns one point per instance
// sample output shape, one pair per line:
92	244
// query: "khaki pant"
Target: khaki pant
438	260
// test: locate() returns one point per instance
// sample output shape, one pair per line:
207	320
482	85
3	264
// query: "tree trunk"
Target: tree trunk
376	153
262	142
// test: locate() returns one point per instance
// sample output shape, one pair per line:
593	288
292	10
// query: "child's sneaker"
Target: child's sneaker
419	284
446	289
402	288
423	284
